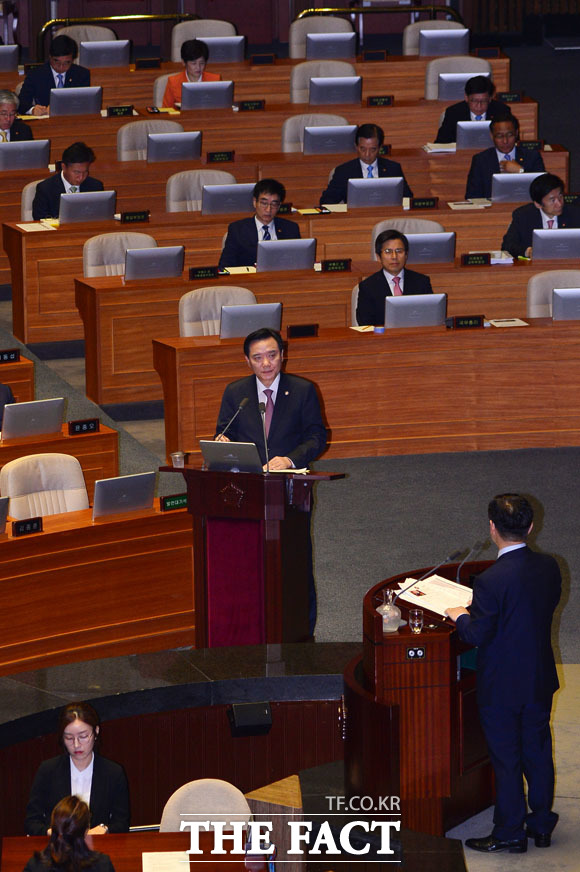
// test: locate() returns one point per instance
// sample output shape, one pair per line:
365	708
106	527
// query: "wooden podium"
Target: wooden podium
412	727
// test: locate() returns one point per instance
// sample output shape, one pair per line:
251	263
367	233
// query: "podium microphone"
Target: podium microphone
243	404
450	557
262	408
477	547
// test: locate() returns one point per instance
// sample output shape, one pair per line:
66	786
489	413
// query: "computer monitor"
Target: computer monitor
125	493
87	206
243	320
163	262
451	86
337	139
20	155
329	46
473	134
431	247
554	244
325	90
286	254
512	187
36	418
374	192
438	43
416	310
220	199
207	95
9	58
76	101
105	53
566	304
225	49
174	146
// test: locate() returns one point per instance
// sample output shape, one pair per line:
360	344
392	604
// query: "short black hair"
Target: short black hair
61	46
369	131
386	235
78	152
261	334
542	185
479	85
269	186
192	49
512	515
505	116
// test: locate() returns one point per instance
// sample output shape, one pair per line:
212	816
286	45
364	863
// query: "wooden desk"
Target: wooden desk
20	376
403	392
83	589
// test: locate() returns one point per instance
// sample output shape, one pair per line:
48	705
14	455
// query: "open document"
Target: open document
436	594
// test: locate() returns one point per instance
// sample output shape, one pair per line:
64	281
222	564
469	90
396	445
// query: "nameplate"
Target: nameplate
478	258
375	54
147	63
532	144
10	355
29	67
220	156
118	111
285	208
173	502
337	264
380	100
490	51
83	425
301	331
510	96
385	149
571	199
424	202
197	273
251	105
29	525
261	60
139	217
465	322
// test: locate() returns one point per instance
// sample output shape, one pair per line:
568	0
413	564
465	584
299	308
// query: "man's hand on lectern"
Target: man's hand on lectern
455	612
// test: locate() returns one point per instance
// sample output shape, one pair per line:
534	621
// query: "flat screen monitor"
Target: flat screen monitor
87	206
374	192
329	140
37	418
105	53
9	58
286	254
452	85
231	456
416	310
76	101
220	199
163	262
473	134
431	247
24	155
553	244
447	41
174	146
125	493
207	95
566	304
225	49
512	187
329	46
326	90
242	320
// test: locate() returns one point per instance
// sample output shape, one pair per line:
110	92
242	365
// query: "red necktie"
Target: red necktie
269	409
550	223
397	292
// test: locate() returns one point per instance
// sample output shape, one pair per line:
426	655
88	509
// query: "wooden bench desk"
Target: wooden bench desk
20	376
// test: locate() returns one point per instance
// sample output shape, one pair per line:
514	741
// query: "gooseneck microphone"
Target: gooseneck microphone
262	408
243	404
477	547
450	557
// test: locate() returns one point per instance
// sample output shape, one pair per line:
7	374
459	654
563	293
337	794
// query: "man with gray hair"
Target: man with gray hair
11	129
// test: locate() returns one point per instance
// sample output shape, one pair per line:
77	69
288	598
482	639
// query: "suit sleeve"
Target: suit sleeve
37	819
313	431
41	205
366	310
535	162
119	812
476	184
480	626
230	251
336	190
513	240
407	192
26	95
447	131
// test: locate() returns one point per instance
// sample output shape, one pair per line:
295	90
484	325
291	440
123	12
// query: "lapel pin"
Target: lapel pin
286	393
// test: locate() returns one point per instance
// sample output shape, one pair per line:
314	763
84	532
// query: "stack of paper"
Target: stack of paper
436	594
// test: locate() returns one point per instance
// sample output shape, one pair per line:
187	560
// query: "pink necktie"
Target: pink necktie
269	409
397	292
550	223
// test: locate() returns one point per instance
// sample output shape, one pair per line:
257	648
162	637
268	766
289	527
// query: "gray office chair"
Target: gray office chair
200	800
302	73
541	285
293	128
132	137
104	255
200	309
183	190
43	484
313	24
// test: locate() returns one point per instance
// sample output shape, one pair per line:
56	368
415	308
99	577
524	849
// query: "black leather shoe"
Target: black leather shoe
491	845
541	840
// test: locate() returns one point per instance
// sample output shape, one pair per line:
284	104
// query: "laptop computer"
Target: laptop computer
35	418
231	456
125	493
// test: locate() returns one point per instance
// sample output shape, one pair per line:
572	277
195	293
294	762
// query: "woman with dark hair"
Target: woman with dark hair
195	55
81	771
67	850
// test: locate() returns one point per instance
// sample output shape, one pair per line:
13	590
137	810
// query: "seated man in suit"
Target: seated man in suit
243	236
547	211
73	178
11	129
393	280
194	54
503	157
477	106
368	165
59	71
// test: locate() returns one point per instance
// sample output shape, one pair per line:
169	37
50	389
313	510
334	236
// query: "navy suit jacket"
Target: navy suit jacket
485	164
297	430
510	621
526	219
38	83
6	396
240	247
460	112
337	187
373	290
109	802
20	132
46	203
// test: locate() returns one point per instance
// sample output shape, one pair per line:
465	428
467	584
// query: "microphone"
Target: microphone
477	547
450	557
262	408
243	404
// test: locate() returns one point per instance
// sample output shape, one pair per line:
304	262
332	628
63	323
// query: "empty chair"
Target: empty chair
43	484
541	285
293	128
404	225
159	86
132	137
104	255
197	30
412	32
302	73
27	199
313	24
200	309
452	64
86	33
201	800
183	190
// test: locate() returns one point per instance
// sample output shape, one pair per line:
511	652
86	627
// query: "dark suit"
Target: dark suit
510	622
99	863
373	290
20	132
460	112
109	794
240	247
6	396
337	187
486	163
38	83
46	203
526	219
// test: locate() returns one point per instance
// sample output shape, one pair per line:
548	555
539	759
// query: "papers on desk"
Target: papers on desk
501	257
239	270
440	147
332	207
436	594
34	228
508	322
303	471
165	861
475	203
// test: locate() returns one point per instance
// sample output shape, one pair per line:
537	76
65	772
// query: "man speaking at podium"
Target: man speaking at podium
510	621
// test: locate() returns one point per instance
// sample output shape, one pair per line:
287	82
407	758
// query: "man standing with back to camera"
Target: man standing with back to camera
510	622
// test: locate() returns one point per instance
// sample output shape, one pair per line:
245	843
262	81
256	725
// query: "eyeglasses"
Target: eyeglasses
8	114
511	135
275	204
80	737
389	251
